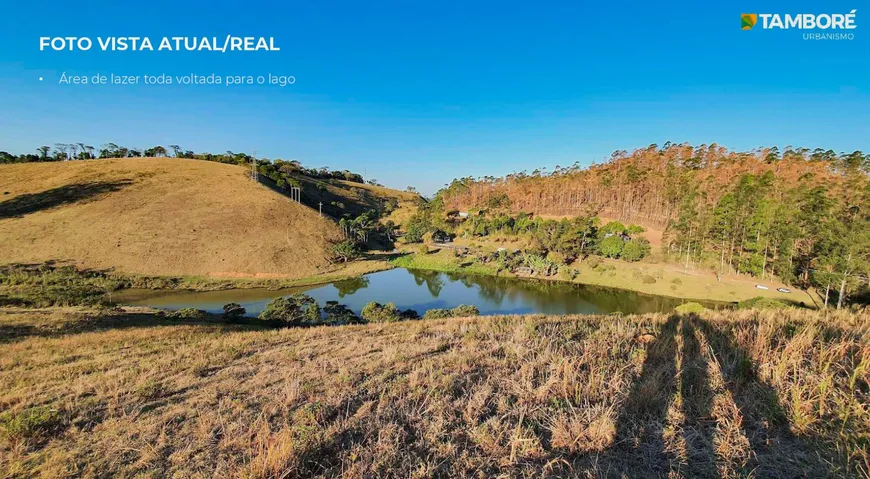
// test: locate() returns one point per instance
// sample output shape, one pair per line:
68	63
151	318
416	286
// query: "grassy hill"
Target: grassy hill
341	197
158	216
723	394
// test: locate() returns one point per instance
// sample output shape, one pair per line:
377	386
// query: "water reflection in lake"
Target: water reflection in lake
423	290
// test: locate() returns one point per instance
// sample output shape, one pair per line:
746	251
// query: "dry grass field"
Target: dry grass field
726	394
158	216
383	192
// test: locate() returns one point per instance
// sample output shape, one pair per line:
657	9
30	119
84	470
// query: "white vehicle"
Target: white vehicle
783	290
761	286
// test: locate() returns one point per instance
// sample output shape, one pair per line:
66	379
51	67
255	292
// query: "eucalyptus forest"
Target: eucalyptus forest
798	214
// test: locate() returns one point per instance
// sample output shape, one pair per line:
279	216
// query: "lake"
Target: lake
423	290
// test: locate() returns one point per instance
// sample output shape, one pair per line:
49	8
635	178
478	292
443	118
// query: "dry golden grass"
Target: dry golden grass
158	216
734	394
382	191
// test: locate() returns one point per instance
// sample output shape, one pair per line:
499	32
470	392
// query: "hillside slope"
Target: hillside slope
340	198
648	185
161	216
719	395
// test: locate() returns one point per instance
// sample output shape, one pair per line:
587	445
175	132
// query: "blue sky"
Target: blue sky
415	93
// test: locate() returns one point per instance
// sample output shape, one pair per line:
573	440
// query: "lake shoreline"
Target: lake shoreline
440	261
217	283
422	290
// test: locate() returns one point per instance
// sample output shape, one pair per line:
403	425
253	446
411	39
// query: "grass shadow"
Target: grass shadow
775	450
379	256
675	372
30	203
639	449
697	397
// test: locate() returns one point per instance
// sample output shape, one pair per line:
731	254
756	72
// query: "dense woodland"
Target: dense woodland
801	215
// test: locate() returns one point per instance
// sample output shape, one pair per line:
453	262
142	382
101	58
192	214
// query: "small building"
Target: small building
441	237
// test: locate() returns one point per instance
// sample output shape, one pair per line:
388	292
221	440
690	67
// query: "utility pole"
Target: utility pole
254	166
321	208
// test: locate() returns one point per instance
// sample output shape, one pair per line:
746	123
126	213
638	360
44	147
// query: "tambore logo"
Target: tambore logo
818	23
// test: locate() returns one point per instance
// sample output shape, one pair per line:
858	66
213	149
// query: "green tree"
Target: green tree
635	250
346	250
611	228
337	313
43	152
417	227
611	247
233	312
299	308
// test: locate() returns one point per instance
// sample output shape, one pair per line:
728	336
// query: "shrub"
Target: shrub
611	247
294	309
759	302
557	258
480	229
635	250
422	249
539	265
464	310
312	313
337	313
437	314
567	273
280	309
381	313
460	311
189	314
375	312
689	308
233	312
48	285
647	279
677	281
